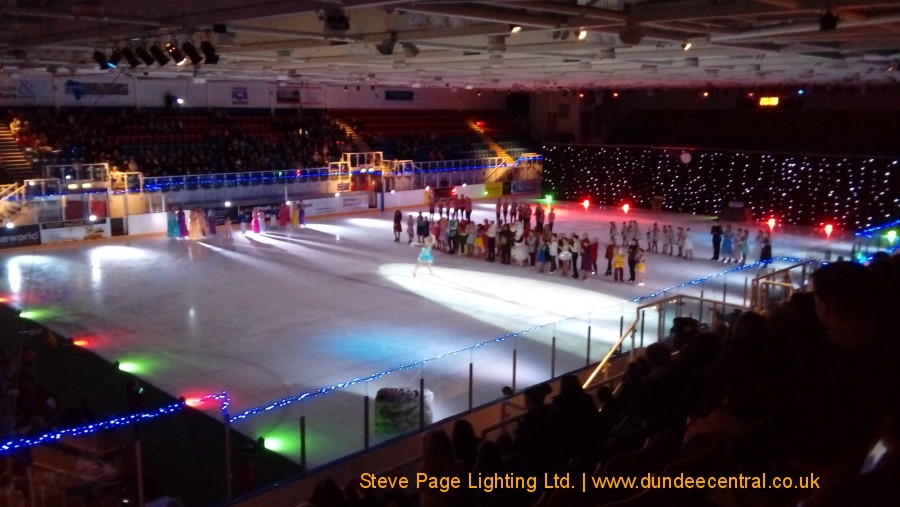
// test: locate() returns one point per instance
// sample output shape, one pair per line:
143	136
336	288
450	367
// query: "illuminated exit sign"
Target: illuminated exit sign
768	101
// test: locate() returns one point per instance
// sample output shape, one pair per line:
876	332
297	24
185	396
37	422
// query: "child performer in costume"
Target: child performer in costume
425	257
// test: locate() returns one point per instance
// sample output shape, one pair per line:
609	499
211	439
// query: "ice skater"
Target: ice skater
425	257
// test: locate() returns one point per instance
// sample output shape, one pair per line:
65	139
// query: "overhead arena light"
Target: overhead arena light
386	47
409	49
176	53
131	58
337	22
209	53
191	52
159	55
101	60
631	34
828	21
114	59
145	55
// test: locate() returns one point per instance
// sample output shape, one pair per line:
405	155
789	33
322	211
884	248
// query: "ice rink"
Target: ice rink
275	315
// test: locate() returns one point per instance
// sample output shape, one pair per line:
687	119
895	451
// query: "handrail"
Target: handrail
10	190
771	278
631	329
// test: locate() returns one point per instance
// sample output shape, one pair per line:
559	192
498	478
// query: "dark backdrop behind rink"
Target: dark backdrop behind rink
852	193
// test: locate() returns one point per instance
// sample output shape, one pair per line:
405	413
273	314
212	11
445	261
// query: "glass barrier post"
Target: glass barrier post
643	315
700	311
303	441
553	353
471	380
515	346
587	355
724	288
365	423
621	330
140	471
228	488
421	403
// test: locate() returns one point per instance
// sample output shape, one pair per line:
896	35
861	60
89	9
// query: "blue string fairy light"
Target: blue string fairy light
375	376
117	422
871	232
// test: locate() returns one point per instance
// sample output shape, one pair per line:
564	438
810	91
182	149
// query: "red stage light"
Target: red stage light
625	208
828	229
586	203
771	223
193	402
81	342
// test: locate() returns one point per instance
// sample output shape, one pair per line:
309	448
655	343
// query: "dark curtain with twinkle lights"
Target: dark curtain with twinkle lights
852	193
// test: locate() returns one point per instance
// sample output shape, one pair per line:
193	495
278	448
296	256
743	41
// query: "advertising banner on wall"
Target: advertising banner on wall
79	89
305	96
240	95
341	204
23	235
74	230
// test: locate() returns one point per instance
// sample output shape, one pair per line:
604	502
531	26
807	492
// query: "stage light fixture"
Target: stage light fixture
386	47
131	58
337	22
101	60
175	53
409	49
582	34
191	52
209	53
631	35
159	55
686	46
828	21
515	28
114	58
145	56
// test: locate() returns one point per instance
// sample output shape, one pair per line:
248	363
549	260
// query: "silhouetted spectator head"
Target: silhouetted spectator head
750	327
436	448
535	396
327	493
658	355
569	383
465	443
489	458
702	350
604	394
846	296
506	444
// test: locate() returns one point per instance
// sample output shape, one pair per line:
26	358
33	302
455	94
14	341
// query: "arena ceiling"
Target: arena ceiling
625	43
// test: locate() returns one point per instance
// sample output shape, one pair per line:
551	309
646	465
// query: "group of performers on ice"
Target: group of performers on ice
198	223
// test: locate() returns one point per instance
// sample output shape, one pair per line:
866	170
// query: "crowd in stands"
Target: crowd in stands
420	147
174	142
804	390
27	406
169	142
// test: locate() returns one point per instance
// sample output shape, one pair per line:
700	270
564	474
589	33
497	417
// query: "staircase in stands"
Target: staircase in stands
508	160
17	167
356	141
